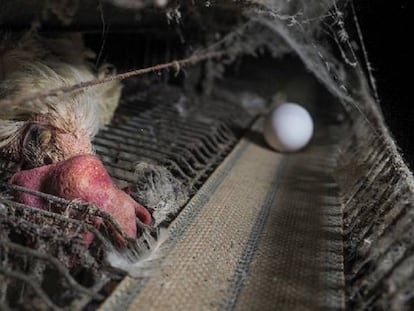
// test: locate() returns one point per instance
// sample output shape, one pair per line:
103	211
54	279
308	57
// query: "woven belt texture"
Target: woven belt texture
263	233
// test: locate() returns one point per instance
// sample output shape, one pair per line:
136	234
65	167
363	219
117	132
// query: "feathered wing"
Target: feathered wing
109	94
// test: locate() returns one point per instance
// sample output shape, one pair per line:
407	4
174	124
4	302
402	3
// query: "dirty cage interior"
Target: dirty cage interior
185	119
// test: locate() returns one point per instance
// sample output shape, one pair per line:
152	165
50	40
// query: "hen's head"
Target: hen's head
52	129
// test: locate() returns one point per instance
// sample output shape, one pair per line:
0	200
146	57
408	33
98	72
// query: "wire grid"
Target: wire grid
44	263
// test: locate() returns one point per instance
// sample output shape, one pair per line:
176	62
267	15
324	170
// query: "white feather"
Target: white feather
145	258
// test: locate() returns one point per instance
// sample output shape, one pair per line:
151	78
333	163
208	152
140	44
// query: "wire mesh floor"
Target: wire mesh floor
44	264
263	233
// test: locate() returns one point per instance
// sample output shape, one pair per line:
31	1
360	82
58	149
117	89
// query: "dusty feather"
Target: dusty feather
145	258
157	189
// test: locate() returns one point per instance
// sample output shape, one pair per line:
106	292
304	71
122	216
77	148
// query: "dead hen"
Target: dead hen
51	138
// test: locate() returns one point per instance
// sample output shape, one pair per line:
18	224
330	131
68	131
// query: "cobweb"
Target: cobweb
318	33
314	30
326	36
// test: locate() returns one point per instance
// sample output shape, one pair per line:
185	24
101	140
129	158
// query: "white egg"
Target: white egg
288	127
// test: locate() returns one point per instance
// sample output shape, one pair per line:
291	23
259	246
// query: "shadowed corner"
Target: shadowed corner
256	137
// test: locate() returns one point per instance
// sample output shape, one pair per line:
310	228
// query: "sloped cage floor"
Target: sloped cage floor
44	261
263	232
289	201
248	228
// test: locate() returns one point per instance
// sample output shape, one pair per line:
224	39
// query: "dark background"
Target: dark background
387	30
